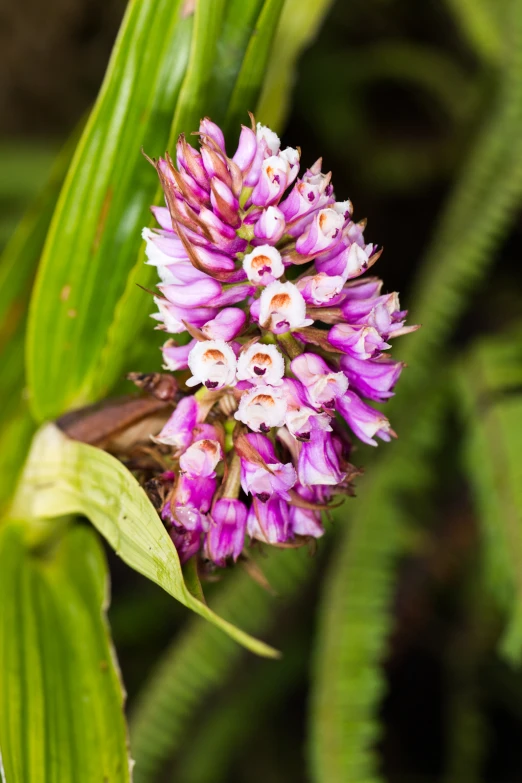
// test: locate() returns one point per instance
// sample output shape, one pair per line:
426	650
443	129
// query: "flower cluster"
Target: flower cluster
262	269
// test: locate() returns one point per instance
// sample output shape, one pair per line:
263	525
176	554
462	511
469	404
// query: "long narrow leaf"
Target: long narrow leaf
61	701
253	69
489	390
299	22
18	264
91	246
63	476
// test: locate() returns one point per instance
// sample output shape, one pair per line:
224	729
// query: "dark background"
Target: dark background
394	127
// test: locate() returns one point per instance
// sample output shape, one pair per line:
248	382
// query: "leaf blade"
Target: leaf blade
102	207
62	710
63	477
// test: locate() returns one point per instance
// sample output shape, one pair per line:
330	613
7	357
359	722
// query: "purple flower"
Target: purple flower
201	459
319	462
363	342
307	521
322	385
364	421
323	233
225	326
179	429
187	542
226	535
270	227
263	269
270	521
373	378
268	479
175	357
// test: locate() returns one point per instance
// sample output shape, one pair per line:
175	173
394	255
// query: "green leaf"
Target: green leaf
61	700
491	403
298	24
91	246
195	91
253	68
63	476
18	264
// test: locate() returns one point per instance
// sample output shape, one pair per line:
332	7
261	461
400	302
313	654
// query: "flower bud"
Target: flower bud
270	227
213	131
375	378
226	535
272	183
363	342
175	319
366	422
323	387
263	482
321	289
322	234
178	431
269	522
318	462
175	357
226	325
246	150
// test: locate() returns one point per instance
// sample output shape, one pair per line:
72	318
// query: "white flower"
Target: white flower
357	262
262	408
270	138
261	364
282	307
344	208
263	265
212	363
292	157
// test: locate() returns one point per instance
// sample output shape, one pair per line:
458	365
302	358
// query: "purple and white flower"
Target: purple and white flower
261	364
212	363
282	307
262	267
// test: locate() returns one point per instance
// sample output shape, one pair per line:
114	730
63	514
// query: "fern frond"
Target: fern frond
474	222
490	383
355	607
202	658
355	617
238	715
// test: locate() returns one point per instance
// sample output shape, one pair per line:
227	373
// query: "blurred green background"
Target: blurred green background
405	102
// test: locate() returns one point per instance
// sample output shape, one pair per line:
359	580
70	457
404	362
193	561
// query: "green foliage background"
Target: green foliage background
402	638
